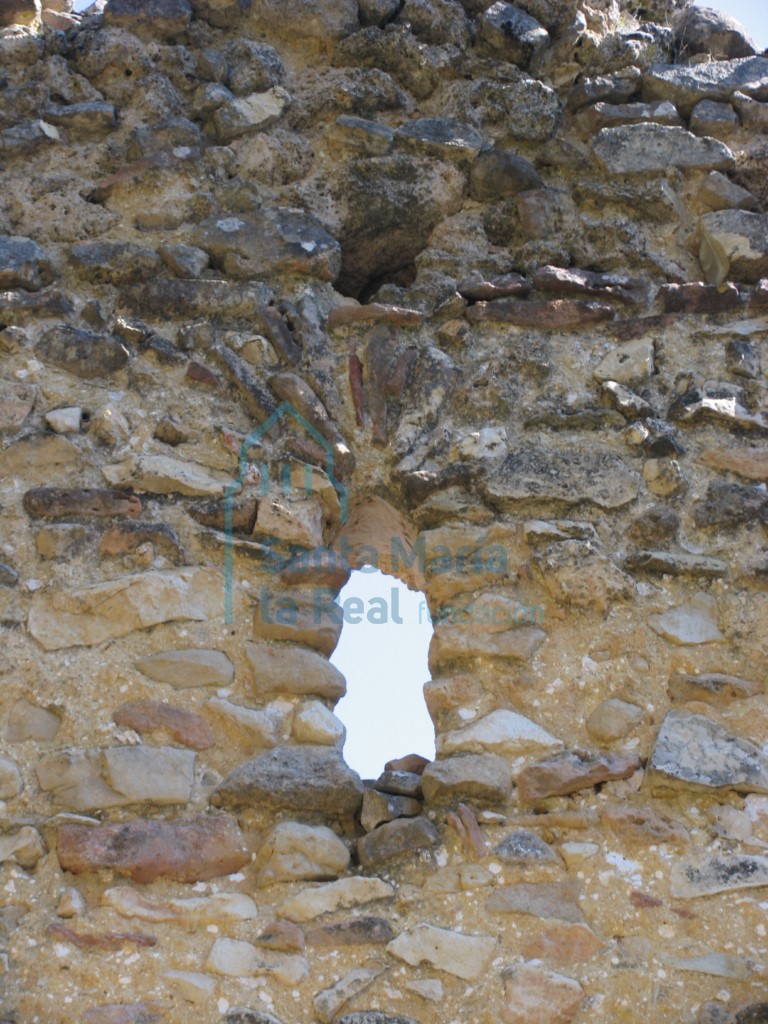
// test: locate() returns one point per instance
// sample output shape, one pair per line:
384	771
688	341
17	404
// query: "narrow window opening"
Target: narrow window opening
383	654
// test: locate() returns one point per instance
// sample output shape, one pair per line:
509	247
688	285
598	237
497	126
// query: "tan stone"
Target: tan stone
564	944
106	611
218	908
10	779
340	895
27	721
159	474
555	900
465	956
536	996
25	847
613	719
455	644
627	364
295	852
235	958
258	728
751	463
314	723
188	667
293	670
290	520
483	777
192	986
311	619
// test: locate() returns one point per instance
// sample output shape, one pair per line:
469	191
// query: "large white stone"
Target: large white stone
296	852
325	899
501	732
466	956
160	474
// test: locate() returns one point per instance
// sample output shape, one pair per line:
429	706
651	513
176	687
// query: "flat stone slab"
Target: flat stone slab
483	777
531	473
465	956
296	778
685	86
722	872
652	148
694	752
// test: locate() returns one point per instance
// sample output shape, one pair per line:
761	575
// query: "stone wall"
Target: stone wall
482	290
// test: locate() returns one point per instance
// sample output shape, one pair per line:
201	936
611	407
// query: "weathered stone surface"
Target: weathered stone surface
325	899
24	847
713	32
354	931
158	18
559	314
536	996
167	297
568	772
118	607
296	778
192	986
379	808
713	873
506	733
669	563
579	574
82	353
374	1017
441	137
651	148
613	720
124	1013
256	727
293	670
275	241
329	1001
218	908
294	852
402	836
65	502
719	120
312	619
524	847
235	958
712	687
751	463
116	263
733	244
27	721
465	956
243	115
39	457
27	138
720	193
500	174
483	777
697	297
188	667
314	723
643	825
189	850
16	403
24	264
587	282
531	473
401	782
614	115
19	12
694	752
694	622
160	474
148	716
564	944
10	779
506	32
556	900
686	85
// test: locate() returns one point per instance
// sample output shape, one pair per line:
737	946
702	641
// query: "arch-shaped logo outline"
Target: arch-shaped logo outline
284	409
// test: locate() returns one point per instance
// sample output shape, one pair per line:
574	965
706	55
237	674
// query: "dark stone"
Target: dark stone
150	18
81	353
559	314
174	133
27	138
586	282
743	359
404	835
662	441
500	173
400	783
377	12
8	575
114	262
712	32
729	504
253	67
668	563
185	261
355	931
510	34
19	12
24	264
258	400
657	526
441	137
62	503
612	89
302	778
84	120
202	298
698	297
478	288
524	847
755	1014
242	1015
129	537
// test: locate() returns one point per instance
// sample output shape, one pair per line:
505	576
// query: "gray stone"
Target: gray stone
82	353
84	120
674	563
377	12
361	135
532	473
328	1002
186	667
524	847
711	687
579	573
686	85
717	400
400	783
326	899
395	838
185	261
613	115
10	779
508	33
441	137
244	115
372	1017
652	148
694	752
294	778
151	18
712	32
553	900
502	732
27	138
252	67
379	808
159	775
24	264
27	721
720	193
734	243
716	119
168	297
275	241
719	872
483	777
499	174
537	996
753	114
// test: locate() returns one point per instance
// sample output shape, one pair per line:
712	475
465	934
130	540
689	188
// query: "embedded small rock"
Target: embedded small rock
404	835
465	956
295	852
188	667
